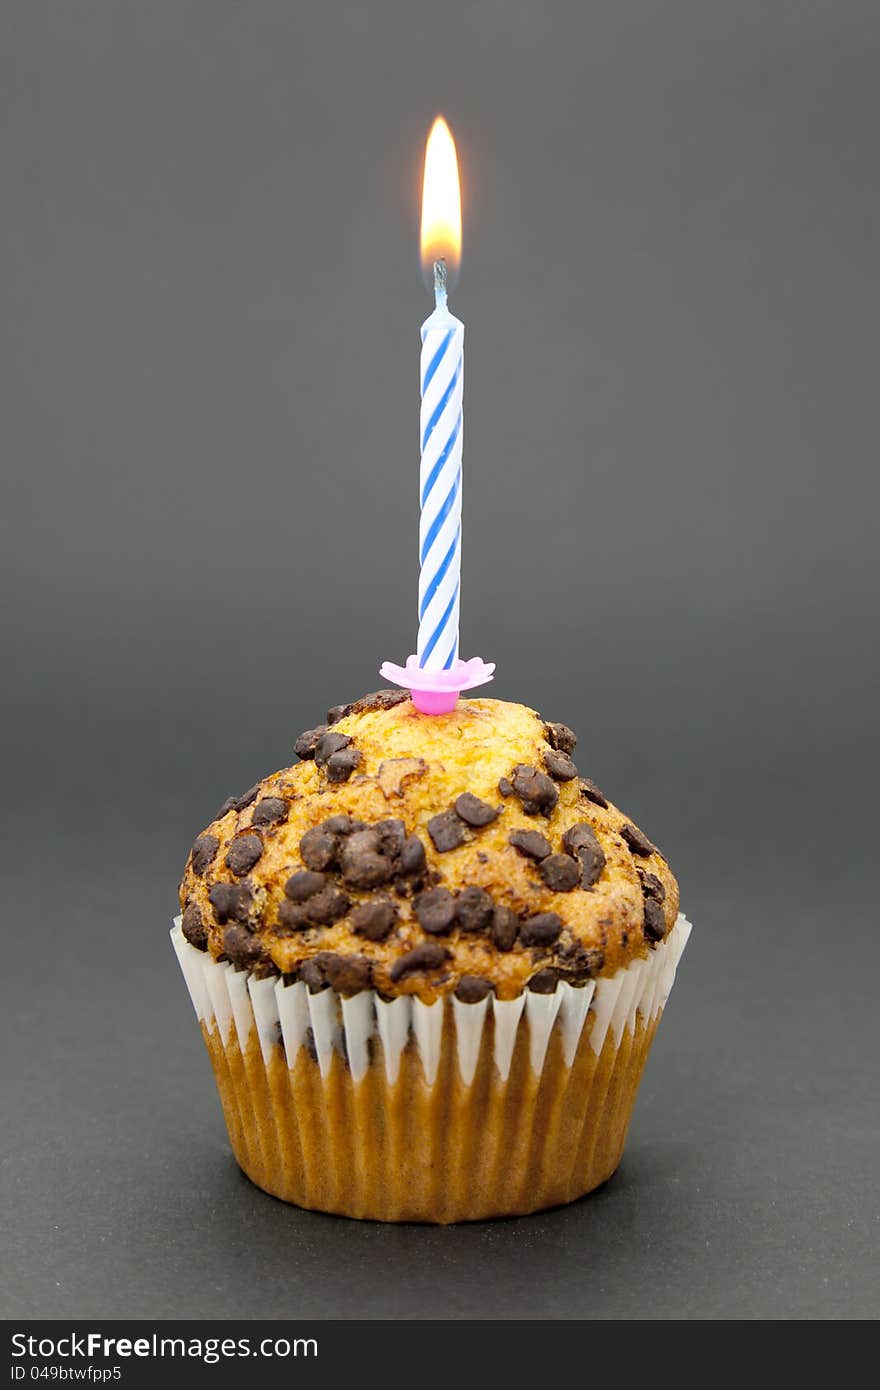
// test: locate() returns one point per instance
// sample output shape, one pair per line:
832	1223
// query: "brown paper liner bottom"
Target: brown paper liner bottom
442	1153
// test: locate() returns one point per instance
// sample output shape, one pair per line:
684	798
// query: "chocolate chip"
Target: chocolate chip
505	925
377	699
193	927
374	919
560	873
345	974
229	804
430	955
544	982
319	849
412	856
446	831
366	870
540	930
530	843
592	792
638	843
535	790
337	712
580	842
231	902
311	972
349	974
655	920
339	825
473	811
435	910
328	744
505	787
579	963
293	916
203	852
561	737
304	884
579	836
592	863
560	766
307	743
241	946
341	765
363	866
327	906
269	811
392	834
651	886
266	969
243	801
472	988
243	854
473	909
362	841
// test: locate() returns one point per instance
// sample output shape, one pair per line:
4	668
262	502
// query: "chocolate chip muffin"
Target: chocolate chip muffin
429	960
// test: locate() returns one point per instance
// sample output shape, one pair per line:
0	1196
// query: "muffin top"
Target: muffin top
427	855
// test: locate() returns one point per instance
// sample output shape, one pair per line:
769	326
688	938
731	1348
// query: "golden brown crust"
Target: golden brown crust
392	765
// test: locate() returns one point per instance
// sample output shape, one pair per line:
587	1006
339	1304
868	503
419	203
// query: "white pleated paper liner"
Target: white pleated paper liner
224	998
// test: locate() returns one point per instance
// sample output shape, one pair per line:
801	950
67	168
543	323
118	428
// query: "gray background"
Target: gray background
209	369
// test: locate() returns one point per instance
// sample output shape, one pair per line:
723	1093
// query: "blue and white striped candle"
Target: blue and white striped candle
442	381
435	674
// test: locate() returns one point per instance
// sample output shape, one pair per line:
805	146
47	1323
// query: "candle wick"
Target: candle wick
440	284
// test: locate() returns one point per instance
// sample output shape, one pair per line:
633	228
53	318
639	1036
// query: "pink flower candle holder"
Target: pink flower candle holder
437	692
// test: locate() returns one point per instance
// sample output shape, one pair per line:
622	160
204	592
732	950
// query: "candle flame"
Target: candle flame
441	200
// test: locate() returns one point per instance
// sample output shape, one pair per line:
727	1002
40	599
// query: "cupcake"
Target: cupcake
429	961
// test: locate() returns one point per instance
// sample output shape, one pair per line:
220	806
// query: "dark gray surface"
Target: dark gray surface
209	363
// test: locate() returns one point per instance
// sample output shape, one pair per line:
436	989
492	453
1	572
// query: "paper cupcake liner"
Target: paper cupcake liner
399	1110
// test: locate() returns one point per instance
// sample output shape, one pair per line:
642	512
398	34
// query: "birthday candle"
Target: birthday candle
435	673
442	372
